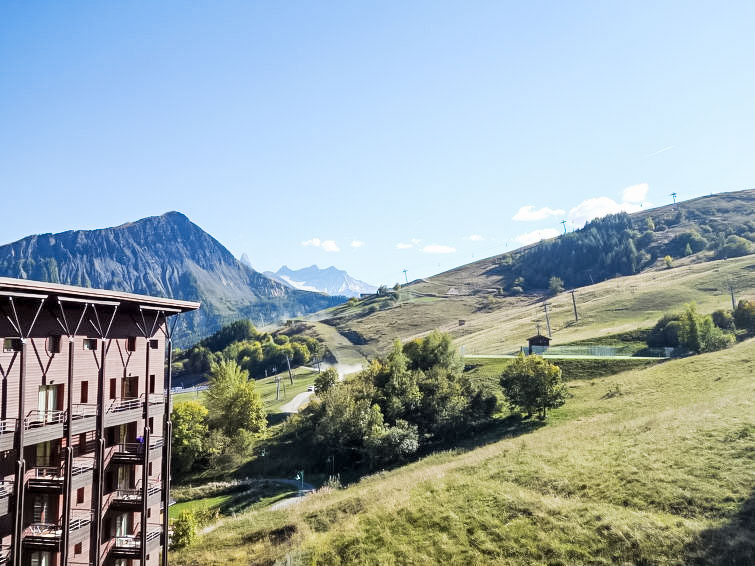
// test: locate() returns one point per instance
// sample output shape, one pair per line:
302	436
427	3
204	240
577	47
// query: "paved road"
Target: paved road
294	404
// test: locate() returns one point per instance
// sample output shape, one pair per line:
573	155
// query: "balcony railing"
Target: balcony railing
83	411
120	405
6	489
43	533
82	466
36	419
134	542
156	399
4	554
7	426
134	495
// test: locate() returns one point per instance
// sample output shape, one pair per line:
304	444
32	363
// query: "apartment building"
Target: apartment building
84	425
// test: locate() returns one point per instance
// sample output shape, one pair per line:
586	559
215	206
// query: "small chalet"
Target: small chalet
538	340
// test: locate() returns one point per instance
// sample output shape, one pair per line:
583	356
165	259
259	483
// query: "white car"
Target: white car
311	388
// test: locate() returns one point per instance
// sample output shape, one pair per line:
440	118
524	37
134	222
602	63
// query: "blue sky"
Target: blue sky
373	136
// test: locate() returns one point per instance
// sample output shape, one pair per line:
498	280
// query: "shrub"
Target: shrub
723	319
532	384
744	315
325	380
184	530
555	285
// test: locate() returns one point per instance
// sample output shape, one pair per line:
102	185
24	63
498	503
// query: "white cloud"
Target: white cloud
528	213
403	246
536	236
416	241
357	244
438	249
635	193
475	238
600	206
325	245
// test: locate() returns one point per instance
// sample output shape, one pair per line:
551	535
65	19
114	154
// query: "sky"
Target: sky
372	136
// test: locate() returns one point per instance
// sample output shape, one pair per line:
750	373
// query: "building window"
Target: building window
151	383
112	388
77	549
90	343
131	344
149	469
153	344
151	424
149	513
12	345
53	344
80	495
85	392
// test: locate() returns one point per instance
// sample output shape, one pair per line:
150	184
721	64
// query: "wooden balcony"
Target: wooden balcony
7	434
45	478
130	546
42	426
48	536
131	499
83	418
134	451
122	411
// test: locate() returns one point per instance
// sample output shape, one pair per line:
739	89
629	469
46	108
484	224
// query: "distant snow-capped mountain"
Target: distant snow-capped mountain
331	281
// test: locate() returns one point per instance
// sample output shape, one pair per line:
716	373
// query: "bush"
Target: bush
723	319
184	530
325	380
532	384
735	246
744	315
555	285
669	261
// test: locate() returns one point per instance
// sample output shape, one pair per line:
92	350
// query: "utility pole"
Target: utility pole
564	223
574	302
290	375
733	303
538	329
405	277
277	388
674	196
547	319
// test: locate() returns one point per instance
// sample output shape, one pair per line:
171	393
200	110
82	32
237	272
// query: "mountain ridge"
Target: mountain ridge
166	255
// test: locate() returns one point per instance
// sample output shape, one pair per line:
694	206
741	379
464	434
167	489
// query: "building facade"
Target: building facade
84	425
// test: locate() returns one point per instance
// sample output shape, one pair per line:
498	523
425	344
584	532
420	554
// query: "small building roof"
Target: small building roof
10	286
538	337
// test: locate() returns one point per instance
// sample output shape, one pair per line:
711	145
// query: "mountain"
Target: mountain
332	281
167	256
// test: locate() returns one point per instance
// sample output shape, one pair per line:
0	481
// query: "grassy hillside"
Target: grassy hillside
497	321
651	466
501	324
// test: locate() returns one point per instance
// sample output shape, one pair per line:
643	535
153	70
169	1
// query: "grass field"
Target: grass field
228	499
499	325
649	466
